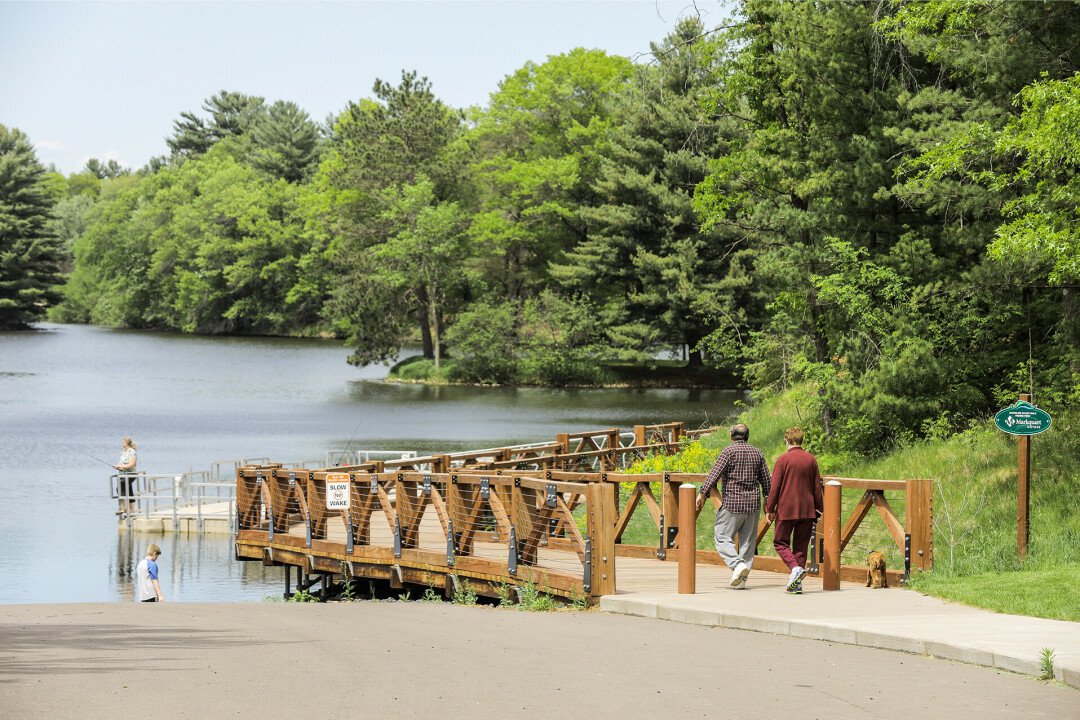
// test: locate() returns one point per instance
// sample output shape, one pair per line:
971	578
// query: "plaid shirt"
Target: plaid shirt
743	468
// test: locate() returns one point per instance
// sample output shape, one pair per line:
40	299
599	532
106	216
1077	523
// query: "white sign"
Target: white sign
337	491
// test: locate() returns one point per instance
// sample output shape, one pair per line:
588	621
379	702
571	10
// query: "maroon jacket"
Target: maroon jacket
796	487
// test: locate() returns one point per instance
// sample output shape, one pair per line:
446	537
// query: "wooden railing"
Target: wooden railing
524	518
434	529
652	501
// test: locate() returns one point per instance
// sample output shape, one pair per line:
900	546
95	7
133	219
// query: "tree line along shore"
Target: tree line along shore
876	201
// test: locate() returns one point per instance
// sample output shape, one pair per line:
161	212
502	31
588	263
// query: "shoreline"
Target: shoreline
603	386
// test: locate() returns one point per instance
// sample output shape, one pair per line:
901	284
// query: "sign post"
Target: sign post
1023	419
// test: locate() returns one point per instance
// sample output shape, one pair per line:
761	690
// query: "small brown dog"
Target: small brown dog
875	574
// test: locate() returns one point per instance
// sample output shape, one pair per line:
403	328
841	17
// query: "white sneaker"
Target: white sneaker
738	576
796	578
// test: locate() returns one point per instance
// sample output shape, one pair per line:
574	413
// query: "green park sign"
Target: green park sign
1023	418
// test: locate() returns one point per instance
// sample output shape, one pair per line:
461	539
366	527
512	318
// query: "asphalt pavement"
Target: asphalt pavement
423	660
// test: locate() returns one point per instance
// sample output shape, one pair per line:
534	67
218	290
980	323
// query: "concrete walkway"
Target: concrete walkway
892	619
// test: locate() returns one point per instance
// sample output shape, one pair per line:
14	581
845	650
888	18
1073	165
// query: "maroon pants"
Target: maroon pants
790	538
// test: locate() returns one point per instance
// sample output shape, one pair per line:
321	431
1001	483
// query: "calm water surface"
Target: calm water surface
69	393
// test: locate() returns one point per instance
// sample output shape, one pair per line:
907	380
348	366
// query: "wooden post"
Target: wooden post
564	442
639	436
601	523
1023	495
830	568
687	540
920	522
611	462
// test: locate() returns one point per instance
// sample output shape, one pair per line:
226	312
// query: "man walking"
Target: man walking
746	480
794	504
147	588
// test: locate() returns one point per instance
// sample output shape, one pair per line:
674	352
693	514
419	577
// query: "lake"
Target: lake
68	393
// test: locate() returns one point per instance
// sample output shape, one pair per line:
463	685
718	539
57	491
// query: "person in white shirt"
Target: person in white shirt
147	588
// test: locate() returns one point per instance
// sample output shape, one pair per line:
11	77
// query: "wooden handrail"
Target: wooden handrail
480	507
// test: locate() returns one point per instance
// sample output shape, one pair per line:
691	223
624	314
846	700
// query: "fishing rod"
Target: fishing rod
345	455
94	457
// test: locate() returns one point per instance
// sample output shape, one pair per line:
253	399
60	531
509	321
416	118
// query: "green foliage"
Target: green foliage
579	600
30	254
694	458
391	176
430	596
204	247
1046	664
535	146
464	593
874	205
485	337
645	260
533	599
423	370
302	596
70	219
232	114
286	143
548	340
347	593
103	170
505	591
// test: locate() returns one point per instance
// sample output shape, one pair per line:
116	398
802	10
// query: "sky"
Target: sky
107	79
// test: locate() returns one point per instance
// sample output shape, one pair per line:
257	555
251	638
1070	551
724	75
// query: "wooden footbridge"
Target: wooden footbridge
560	516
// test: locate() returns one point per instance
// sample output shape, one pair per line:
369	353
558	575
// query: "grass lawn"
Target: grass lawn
1046	593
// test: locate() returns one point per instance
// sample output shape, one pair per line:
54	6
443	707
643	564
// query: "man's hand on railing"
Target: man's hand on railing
700	502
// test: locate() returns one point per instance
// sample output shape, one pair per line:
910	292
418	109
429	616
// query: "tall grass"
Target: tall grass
975	498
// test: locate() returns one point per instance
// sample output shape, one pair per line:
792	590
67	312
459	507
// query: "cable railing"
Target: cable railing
558	515
491	530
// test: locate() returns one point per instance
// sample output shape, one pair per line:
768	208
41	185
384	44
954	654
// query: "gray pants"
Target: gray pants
727	525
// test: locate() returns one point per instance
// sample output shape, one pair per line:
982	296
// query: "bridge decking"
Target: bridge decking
634	574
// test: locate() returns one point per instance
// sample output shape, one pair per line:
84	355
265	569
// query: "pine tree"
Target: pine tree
30	255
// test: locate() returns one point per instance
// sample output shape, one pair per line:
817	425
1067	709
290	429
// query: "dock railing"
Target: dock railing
186	495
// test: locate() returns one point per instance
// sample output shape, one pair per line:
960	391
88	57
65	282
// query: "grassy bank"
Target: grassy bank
662	373
974	474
